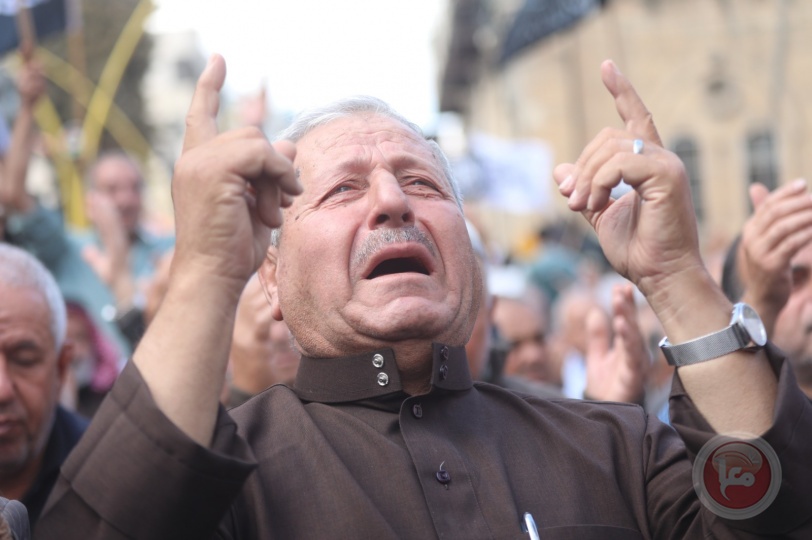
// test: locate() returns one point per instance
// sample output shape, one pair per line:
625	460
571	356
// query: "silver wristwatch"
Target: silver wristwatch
746	331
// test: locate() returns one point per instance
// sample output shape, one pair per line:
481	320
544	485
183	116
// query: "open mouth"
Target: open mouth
398	266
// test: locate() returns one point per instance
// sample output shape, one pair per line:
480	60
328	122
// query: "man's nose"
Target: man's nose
127	198
532	353
389	205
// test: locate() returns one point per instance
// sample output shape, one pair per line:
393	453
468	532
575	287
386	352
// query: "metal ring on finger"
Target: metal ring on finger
637	146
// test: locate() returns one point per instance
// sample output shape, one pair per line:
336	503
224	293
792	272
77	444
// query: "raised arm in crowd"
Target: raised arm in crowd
384	434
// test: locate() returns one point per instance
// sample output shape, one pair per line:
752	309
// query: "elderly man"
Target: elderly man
36	434
383	434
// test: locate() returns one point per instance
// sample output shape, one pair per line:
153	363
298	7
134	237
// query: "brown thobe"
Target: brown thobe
347	454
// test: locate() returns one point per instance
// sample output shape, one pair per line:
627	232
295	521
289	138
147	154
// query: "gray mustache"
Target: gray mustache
379	238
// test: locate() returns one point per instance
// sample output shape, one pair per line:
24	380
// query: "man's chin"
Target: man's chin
12	458
412	319
420	330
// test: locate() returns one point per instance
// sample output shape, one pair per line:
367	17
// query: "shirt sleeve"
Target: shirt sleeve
40	232
134	474
790	436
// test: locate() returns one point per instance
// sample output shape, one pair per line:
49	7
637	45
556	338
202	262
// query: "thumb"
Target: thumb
94	258
286	148
562	174
597	334
758	194
90	205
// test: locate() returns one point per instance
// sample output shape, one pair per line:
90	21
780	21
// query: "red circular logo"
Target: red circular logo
737	478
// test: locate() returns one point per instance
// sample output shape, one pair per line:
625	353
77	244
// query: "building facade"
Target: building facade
726	80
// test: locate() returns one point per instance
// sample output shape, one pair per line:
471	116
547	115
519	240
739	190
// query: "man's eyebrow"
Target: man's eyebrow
412	160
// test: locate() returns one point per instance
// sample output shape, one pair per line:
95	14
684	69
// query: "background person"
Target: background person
36	433
261	353
770	266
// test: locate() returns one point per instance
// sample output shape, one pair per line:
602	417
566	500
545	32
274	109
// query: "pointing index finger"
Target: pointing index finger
629	106
201	120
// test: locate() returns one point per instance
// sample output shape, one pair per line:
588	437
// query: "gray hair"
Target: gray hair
319	116
20	269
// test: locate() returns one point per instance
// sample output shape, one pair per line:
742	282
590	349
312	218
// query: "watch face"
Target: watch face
752	323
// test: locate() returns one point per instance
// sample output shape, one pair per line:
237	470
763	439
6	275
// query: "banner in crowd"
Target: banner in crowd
514	175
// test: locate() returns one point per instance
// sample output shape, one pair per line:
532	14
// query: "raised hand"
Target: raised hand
111	259
228	188
252	347
31	83
649	234
14	165
616	357
112	262
780	226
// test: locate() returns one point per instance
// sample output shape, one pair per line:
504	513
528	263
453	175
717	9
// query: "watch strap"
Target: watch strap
704	348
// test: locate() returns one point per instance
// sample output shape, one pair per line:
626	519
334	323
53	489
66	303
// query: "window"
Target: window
687	151
761	166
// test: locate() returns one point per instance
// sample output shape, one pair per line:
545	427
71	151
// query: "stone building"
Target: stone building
726	80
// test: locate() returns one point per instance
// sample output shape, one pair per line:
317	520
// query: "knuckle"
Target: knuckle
674	167
192	120
251	132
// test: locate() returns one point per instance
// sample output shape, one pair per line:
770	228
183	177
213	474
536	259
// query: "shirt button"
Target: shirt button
443	372
443	477
377	361
417	410
444	353
383	379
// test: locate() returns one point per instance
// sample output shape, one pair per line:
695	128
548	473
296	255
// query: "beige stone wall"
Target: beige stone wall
675	51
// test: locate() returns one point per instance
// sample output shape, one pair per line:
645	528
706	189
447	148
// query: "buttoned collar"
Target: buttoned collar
375	374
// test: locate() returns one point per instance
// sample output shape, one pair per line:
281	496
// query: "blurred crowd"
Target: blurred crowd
570	327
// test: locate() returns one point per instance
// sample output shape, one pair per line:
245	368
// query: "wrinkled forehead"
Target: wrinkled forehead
25	304
355	134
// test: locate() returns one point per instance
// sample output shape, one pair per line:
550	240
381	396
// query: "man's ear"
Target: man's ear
63	362
267	277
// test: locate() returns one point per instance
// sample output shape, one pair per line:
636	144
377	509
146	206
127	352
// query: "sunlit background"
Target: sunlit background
508	87
310	52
